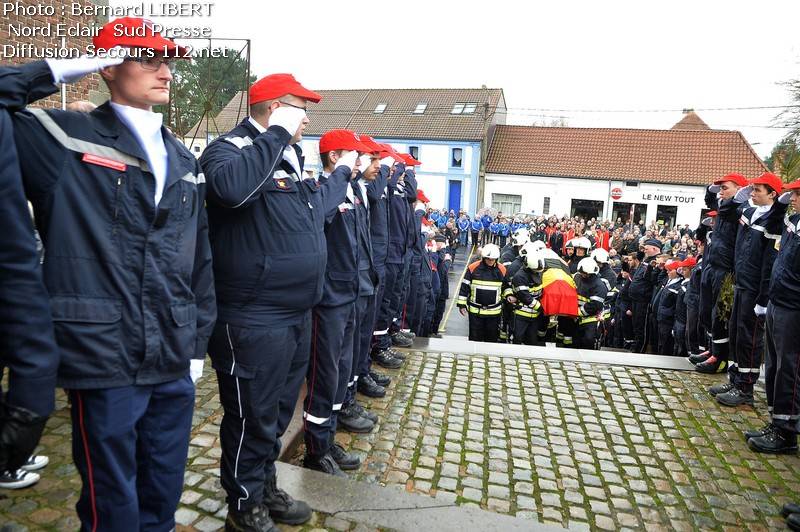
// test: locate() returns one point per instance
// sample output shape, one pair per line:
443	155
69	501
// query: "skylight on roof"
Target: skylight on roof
381	107
457	109
420	108
469	108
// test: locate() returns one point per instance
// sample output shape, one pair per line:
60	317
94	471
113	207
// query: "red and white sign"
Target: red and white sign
616	193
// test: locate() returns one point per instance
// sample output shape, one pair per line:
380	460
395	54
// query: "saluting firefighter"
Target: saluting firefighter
681	309
665	310
481	293
334	317
591	298
267	232
717	265
782	363
119	204
760	227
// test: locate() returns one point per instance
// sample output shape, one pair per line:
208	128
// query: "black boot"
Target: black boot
256	519
699	357
384	359
370	388
380	380
793	522
712	365
282	507
735	397
790	508
346	461
363	412
763	431
720	388
779	441
324	463
408	334
350	420
401	340
399	355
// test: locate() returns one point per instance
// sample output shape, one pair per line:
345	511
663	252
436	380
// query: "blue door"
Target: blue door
454	196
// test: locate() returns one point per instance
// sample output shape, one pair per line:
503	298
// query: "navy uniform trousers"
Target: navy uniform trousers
782	367
746	340
259	371
328	374
131	443
710	288
362	336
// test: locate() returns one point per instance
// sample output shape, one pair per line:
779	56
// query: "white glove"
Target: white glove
71	70
785	198
196	369
743	194
348	159
714	189
387	161
760	311
364	161
289	118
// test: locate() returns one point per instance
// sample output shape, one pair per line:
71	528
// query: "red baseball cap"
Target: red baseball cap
769	179
370	143
388	151
739	179
794	185
422	197
711	213
277	85
135	32
673	264
410	161
341	139
690	262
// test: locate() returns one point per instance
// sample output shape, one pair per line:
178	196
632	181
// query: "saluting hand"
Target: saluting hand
348	159
71	70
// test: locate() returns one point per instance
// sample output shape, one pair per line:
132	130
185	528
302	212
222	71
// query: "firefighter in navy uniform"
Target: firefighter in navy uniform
640	290
666	309
27	346
334	317
526	288
119	204
609	278
781	363
481	295
760	230
717	265
267	234
681	309
592	293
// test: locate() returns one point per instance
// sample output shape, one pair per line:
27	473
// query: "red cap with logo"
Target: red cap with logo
769	179
739	179
341	139
388	151
370	143
135	32
422	197
276	85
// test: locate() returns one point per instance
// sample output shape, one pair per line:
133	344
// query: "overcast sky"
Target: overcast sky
578	55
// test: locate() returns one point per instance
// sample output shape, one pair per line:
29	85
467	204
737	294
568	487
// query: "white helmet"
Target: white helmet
538	244
521	231
520	239
600	256
588	265
535	261
582	242
490	251
528	247
550	254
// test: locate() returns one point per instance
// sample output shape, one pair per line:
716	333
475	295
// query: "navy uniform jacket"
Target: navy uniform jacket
784	287
681	312
719	251
377	194
367	273
592	293
643	280
692	297
398	219
668	300
27	345
130	284
267	227
755	250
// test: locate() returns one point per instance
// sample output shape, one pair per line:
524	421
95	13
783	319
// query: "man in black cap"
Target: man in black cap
643	280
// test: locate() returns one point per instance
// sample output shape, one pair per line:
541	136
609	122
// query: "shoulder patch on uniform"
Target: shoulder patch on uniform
240	142
501	268
474	265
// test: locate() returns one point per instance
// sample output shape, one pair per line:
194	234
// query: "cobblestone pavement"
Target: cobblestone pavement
580	445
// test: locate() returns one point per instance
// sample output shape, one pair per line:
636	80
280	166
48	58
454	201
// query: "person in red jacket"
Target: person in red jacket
602	238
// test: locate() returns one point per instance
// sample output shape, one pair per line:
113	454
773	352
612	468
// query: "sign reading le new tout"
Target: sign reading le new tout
667	198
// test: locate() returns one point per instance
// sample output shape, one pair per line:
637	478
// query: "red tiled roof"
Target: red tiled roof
691	121
355	109
687	157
